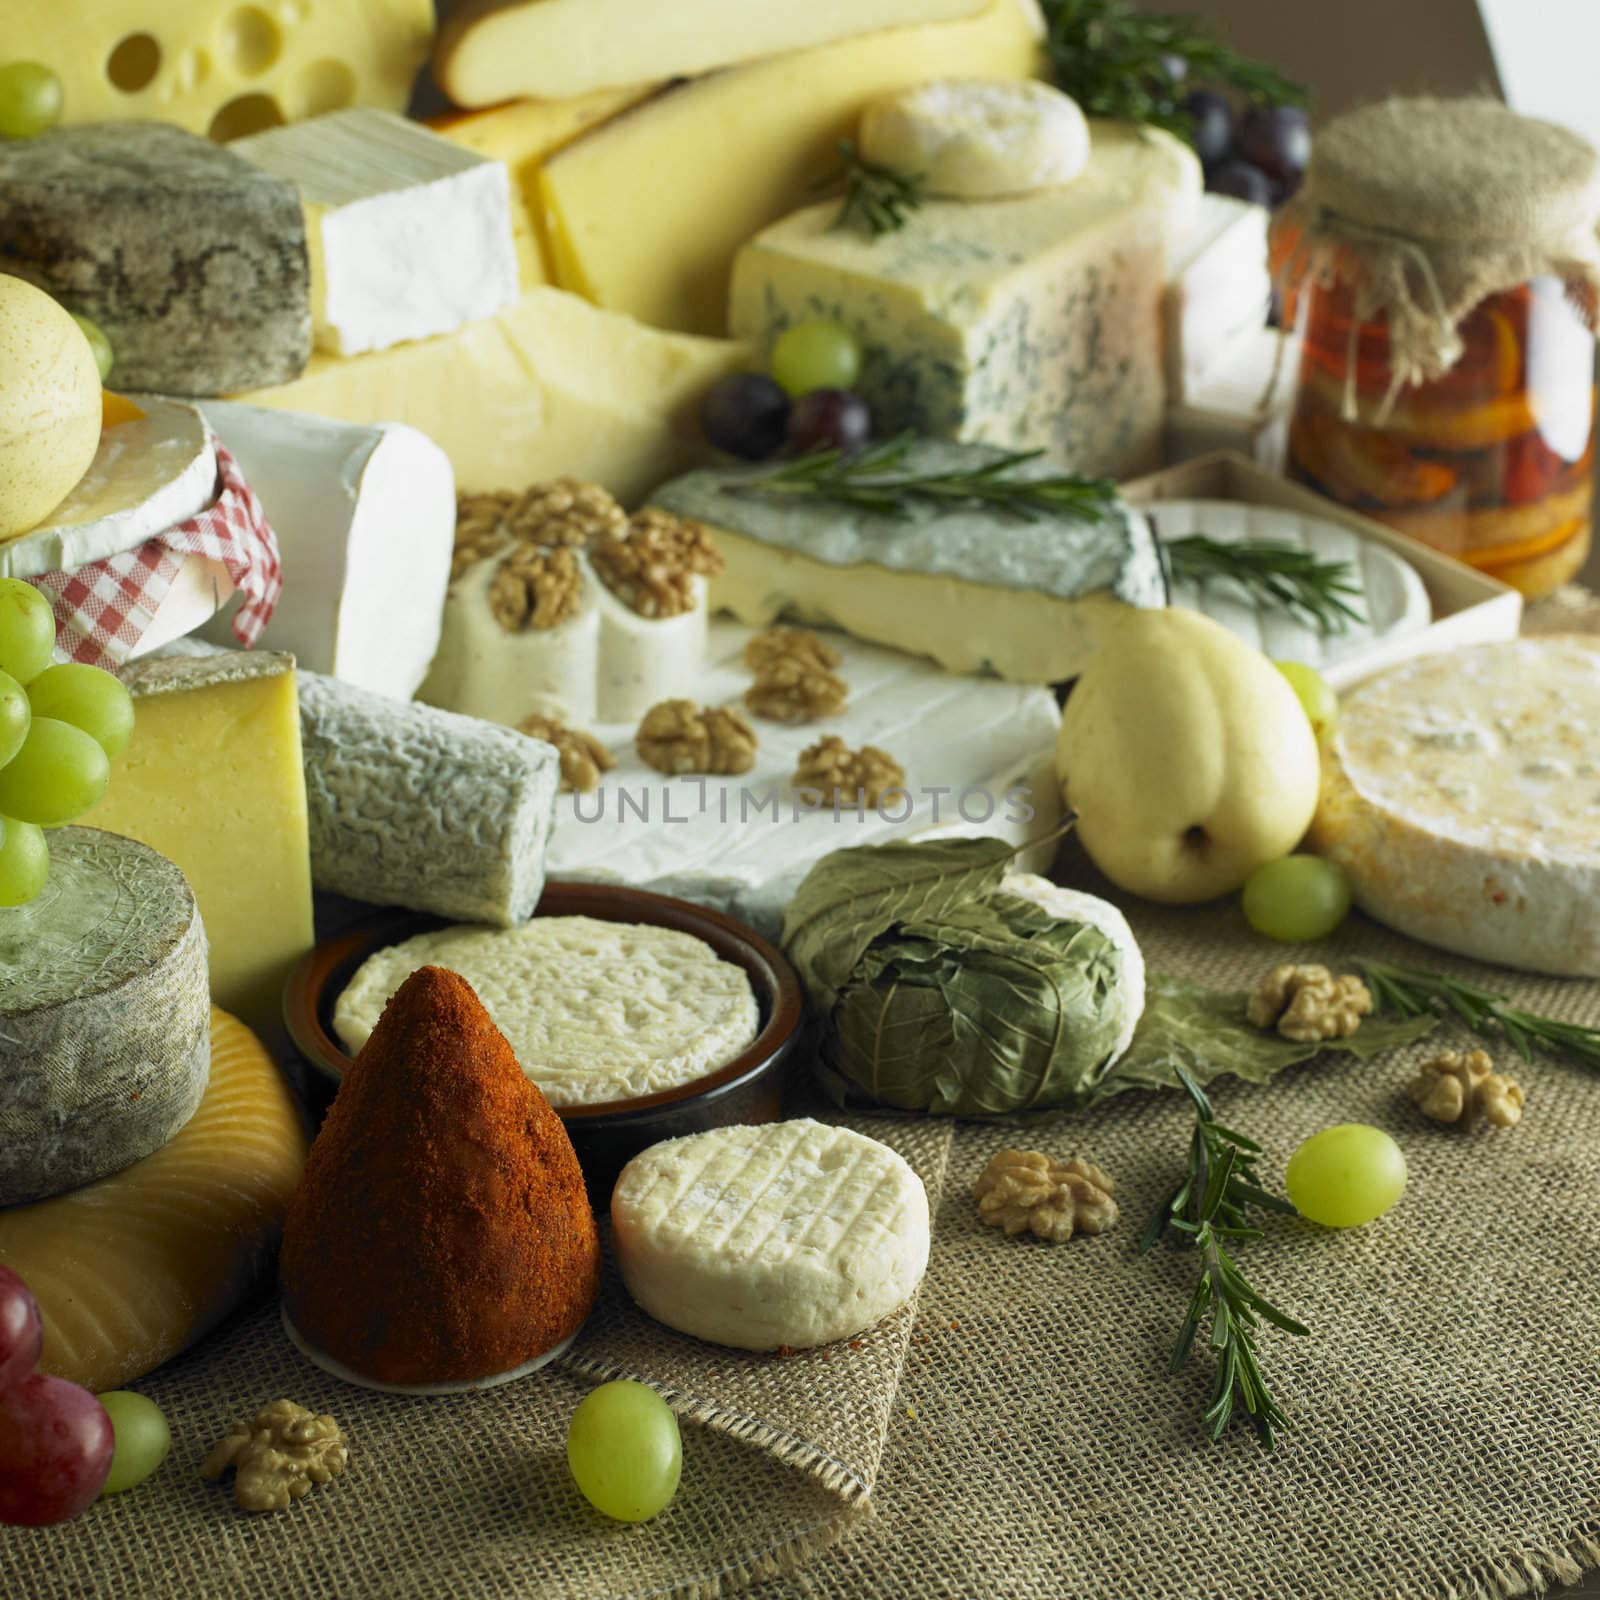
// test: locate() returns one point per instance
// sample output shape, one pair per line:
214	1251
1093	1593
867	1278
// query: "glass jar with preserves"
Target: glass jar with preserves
1444	260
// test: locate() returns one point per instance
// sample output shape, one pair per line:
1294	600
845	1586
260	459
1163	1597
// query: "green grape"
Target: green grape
1346	1175
30	99
142	1438
86	697
15	715
98	342
27	630
816	355
58	774
1297	898
24	861
624	1451
1311	688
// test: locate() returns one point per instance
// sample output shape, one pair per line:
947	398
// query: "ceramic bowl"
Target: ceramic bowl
747	1090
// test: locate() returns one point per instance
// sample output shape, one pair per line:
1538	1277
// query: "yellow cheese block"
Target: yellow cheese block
645	213
132	1269
220	68
490	50
550	387
212	778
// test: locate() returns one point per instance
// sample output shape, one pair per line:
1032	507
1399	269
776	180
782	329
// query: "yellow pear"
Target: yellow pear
49	405
1187	757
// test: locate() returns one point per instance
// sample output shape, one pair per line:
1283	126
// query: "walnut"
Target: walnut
839	775
678	737
278	1456
1308	1004
535	587
1457	1087
792	689
1023	1191
479	529
786	644
565	512
583	757
652	567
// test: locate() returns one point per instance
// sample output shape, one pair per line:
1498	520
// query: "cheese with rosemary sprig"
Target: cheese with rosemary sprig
1032	321
978	589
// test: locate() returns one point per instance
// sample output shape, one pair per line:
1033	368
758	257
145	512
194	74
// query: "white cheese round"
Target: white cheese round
1461	794
973	139
790	1234
644	660
595	1011
105	1015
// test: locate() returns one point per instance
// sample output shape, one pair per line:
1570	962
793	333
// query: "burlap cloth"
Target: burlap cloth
1015	1433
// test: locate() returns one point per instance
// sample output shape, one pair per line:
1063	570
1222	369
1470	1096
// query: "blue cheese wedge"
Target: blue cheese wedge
595	1011
976	589
759	1237
1032	321
105	1015
1461	795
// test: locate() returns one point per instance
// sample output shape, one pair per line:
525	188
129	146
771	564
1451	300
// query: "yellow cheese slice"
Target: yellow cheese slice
550	387
212	778
132	1269
644	214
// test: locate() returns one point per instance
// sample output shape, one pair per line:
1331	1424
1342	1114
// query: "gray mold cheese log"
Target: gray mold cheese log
105	1015
192	260
410	806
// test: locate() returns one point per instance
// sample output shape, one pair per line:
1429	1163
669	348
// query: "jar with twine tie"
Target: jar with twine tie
1444	256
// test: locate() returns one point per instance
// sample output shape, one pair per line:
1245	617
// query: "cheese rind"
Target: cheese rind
1461	796
104	1015
415	807
137	1266
643	175
1031	322
192	261
1219	291
551	48
791	1234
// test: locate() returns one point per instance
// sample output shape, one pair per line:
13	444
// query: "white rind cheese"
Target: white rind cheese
105	1015
973	138
644	660
1220	291
365	517
409	806
595	1011
790	1234
1461	794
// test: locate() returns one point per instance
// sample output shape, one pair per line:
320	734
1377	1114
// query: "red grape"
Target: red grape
1277	139
1211	119
1242	181
21	1331
830	419
745	414
56	1443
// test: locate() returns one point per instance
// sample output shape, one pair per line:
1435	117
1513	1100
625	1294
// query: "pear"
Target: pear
1187	757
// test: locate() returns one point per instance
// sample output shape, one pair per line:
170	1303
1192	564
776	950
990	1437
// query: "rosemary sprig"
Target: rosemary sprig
1211	1206
1413	992
876	197
1274	574
875	480
1114	61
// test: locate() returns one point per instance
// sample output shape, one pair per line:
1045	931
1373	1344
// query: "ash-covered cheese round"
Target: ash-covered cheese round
595	1011
105	1015
1461	795
794	1234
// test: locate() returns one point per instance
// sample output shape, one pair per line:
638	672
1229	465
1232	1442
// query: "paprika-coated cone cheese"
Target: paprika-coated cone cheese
441	1233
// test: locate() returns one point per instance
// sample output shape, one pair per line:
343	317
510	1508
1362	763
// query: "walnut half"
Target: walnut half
677	737
1024	1191
1459	1087
583	757
536	587
565	511
1308	1004
840	776
792	689
652	566
278	1456
785	644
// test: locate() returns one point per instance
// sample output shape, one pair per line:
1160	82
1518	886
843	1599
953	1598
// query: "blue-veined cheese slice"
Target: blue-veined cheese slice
794	1234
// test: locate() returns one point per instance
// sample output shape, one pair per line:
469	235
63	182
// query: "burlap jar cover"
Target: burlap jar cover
1424	208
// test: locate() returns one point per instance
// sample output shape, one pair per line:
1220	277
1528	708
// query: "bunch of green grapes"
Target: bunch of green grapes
59	728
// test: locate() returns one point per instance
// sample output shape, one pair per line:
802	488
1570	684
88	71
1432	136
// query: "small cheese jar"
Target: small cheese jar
1444	260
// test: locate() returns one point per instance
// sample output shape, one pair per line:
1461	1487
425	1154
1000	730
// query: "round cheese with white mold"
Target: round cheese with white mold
105	1015
794	1233
644	660
972	139
1461	795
